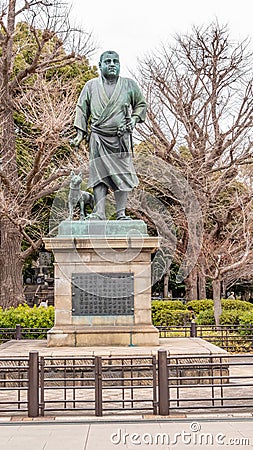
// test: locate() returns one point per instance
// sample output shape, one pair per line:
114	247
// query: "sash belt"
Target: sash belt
112	133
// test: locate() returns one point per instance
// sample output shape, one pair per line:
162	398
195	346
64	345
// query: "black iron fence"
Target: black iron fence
163	384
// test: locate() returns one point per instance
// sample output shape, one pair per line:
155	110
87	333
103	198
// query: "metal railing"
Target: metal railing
233	338
68	384
207	383
98	385
14	385
162	384
19	332
39	385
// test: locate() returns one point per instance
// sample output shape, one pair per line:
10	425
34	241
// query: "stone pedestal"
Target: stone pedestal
113	263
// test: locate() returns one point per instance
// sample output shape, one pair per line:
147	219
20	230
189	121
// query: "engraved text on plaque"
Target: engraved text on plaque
102	294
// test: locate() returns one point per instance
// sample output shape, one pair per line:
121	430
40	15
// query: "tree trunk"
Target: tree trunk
11	288
201	278
201	286
165	285
216	284
223	289
191	285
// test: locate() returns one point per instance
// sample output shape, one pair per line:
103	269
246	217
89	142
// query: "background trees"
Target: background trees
43	64
200	121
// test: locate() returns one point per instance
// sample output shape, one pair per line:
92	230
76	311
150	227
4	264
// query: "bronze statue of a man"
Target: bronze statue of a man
112	106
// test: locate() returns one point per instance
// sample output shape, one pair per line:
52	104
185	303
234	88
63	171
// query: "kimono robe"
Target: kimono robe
110	157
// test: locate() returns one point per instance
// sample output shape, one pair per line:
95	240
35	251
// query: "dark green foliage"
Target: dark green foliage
246	320
228	317
171	317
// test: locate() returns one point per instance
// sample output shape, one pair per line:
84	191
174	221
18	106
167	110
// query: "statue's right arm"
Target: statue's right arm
82	116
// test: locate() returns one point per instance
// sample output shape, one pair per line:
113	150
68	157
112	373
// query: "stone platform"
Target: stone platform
102	228
174	346
103	288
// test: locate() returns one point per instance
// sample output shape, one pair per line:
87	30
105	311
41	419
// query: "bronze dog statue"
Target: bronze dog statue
76	195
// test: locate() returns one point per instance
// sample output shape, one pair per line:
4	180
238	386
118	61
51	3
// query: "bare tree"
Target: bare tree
29	165
229	248
200	121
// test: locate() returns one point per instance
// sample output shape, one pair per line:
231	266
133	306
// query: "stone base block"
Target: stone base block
104	228
75	336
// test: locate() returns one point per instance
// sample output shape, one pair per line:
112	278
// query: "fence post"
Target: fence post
18	332
193	331
98	386
33	384
163	388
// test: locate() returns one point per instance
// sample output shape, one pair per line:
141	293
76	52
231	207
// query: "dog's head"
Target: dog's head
76	179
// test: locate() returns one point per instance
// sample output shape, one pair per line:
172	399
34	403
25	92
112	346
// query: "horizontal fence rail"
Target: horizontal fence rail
96	385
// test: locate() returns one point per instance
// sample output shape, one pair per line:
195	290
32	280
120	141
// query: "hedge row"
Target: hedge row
27	317
169	312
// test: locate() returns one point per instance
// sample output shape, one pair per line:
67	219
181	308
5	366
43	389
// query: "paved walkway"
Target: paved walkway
220	432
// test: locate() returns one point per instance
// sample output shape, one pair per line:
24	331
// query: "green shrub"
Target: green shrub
230	317
206	317
241	305
200	305
27	317
246	320
169	312
171	317
168	304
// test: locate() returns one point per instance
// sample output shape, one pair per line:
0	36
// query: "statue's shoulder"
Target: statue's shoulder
88	88
91	82
130	83
128	80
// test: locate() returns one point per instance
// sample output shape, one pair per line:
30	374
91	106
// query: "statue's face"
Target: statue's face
110	65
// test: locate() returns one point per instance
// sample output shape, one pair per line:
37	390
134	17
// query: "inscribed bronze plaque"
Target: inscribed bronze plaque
102	294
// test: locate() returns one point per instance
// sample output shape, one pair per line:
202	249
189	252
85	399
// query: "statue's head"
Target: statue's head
109	64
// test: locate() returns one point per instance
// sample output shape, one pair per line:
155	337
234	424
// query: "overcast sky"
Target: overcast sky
134	27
